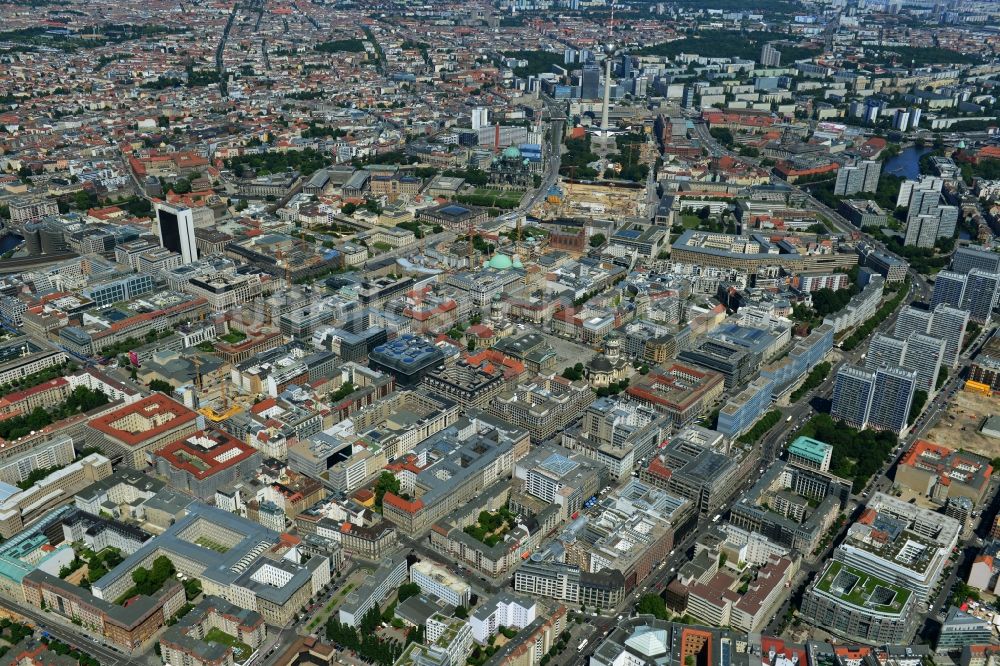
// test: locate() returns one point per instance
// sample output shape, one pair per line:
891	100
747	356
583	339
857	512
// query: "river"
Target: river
907	163
9	241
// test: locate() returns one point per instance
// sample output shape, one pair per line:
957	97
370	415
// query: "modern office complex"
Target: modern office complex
924	355
791	505
879	400
859	606
175	228
967	258
450	468
889	563
976	292
734	362
811	453
407	358
558	476
861	177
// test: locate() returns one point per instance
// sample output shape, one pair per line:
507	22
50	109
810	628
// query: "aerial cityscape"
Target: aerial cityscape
499	333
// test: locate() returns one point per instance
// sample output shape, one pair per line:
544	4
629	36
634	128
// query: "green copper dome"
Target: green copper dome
500	261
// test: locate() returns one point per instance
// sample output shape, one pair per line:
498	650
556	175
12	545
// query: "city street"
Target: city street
69	634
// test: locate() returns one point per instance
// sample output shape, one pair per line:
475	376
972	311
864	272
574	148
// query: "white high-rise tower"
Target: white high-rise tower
610	53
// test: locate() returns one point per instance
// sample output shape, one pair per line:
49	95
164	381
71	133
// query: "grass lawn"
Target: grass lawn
241	651
205	542
488	198
234	336
690	221
865	585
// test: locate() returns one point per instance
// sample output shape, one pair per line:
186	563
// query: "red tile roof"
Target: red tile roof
155	405
200	462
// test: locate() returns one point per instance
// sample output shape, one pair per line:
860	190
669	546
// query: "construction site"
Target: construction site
592	201
959	427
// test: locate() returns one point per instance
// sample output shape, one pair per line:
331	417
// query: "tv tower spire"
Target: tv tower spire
609	52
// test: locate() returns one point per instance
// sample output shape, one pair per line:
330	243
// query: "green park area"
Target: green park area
491	526
857	455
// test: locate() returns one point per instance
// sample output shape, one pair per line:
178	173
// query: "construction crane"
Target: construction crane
279	254
228	409
196	362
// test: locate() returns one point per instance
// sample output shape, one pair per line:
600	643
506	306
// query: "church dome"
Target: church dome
511	152
601	363
517	262
501	261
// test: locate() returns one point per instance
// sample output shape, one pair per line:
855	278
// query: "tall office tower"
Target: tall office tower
590	81
901	120
892	396
920	196
872	109
873	169
911	320
921	230
860	177
967	258
884	350
923	200
625	68
949	324
947	221
770	56
175	227
924	356
981	290
949	288
480	118
849	180
687	98
852	395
